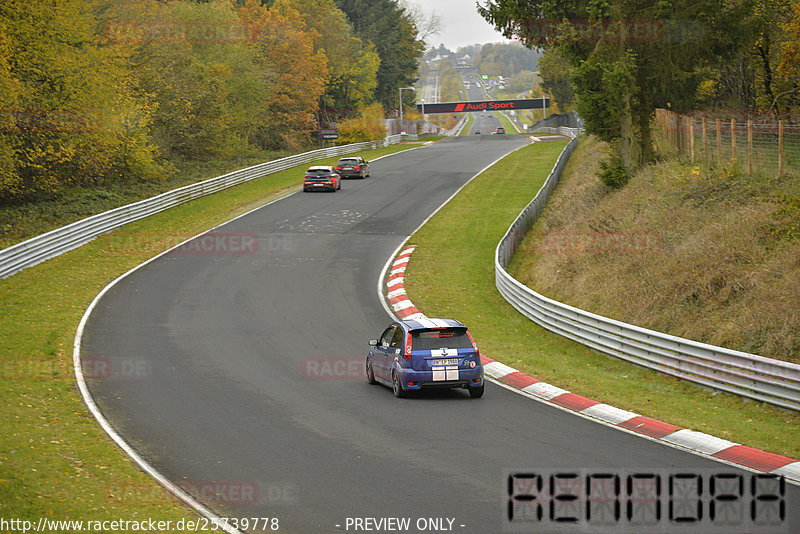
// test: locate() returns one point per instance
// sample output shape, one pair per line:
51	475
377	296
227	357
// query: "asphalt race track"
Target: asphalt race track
485	122
237	371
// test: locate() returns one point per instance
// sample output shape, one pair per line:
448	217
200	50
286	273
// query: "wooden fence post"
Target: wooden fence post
705	140
780	147
691	137
719	142
749	146
733	139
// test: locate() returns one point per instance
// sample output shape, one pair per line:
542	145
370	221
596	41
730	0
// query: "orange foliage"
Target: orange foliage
297	73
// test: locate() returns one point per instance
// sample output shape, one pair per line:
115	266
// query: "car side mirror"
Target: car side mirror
373	342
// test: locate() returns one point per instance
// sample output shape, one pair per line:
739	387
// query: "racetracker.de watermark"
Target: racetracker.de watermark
590	242
220	243
611	31
92	368
333	368
212	243
230	492
179	32
21	121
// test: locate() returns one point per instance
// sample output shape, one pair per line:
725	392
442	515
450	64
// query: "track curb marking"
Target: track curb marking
698	442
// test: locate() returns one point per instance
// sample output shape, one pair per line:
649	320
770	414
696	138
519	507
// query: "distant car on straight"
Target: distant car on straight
353	167
322	178
420	354
499	130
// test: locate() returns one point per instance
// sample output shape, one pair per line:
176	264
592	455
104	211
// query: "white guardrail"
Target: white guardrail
49	245
774	381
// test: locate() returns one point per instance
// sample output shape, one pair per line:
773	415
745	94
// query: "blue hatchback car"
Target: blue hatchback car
425	353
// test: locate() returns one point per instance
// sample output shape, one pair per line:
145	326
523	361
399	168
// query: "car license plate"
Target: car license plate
446	361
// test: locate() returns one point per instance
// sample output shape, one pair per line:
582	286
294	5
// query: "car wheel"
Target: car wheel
476	393
339	184
397	387
370	373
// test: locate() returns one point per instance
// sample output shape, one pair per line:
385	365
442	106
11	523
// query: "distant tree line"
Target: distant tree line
618	60
115	90
506	59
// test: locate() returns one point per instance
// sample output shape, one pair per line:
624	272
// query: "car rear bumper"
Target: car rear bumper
319	187
444	378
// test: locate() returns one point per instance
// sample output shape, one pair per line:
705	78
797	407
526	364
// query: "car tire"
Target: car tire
370	373
397	387
476	393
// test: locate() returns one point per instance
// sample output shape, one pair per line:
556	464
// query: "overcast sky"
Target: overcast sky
461	24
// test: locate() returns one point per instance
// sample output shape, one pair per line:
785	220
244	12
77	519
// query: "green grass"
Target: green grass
55	461
467	231
467	127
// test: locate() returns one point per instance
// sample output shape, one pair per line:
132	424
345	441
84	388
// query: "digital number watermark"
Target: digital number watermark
659	500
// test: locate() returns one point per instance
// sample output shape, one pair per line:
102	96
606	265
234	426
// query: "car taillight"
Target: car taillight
408	346
338	168
474	345
357	167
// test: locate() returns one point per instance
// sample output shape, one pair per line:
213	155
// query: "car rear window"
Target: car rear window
348	161
317	171
440	338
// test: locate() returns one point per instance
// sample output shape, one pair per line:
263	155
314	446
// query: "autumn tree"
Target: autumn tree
789	65
392	31
73	116
94	92
10	90
296	72
556	74
352	63
785	66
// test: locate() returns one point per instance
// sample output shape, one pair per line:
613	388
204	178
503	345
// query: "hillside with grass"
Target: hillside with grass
703	252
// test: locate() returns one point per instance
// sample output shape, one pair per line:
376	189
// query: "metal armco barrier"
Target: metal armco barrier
748	375
51	244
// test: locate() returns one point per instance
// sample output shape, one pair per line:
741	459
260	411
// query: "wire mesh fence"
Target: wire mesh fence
769	146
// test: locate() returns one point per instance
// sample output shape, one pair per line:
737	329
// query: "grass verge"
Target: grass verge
468	126
704	253
55	461
469	241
